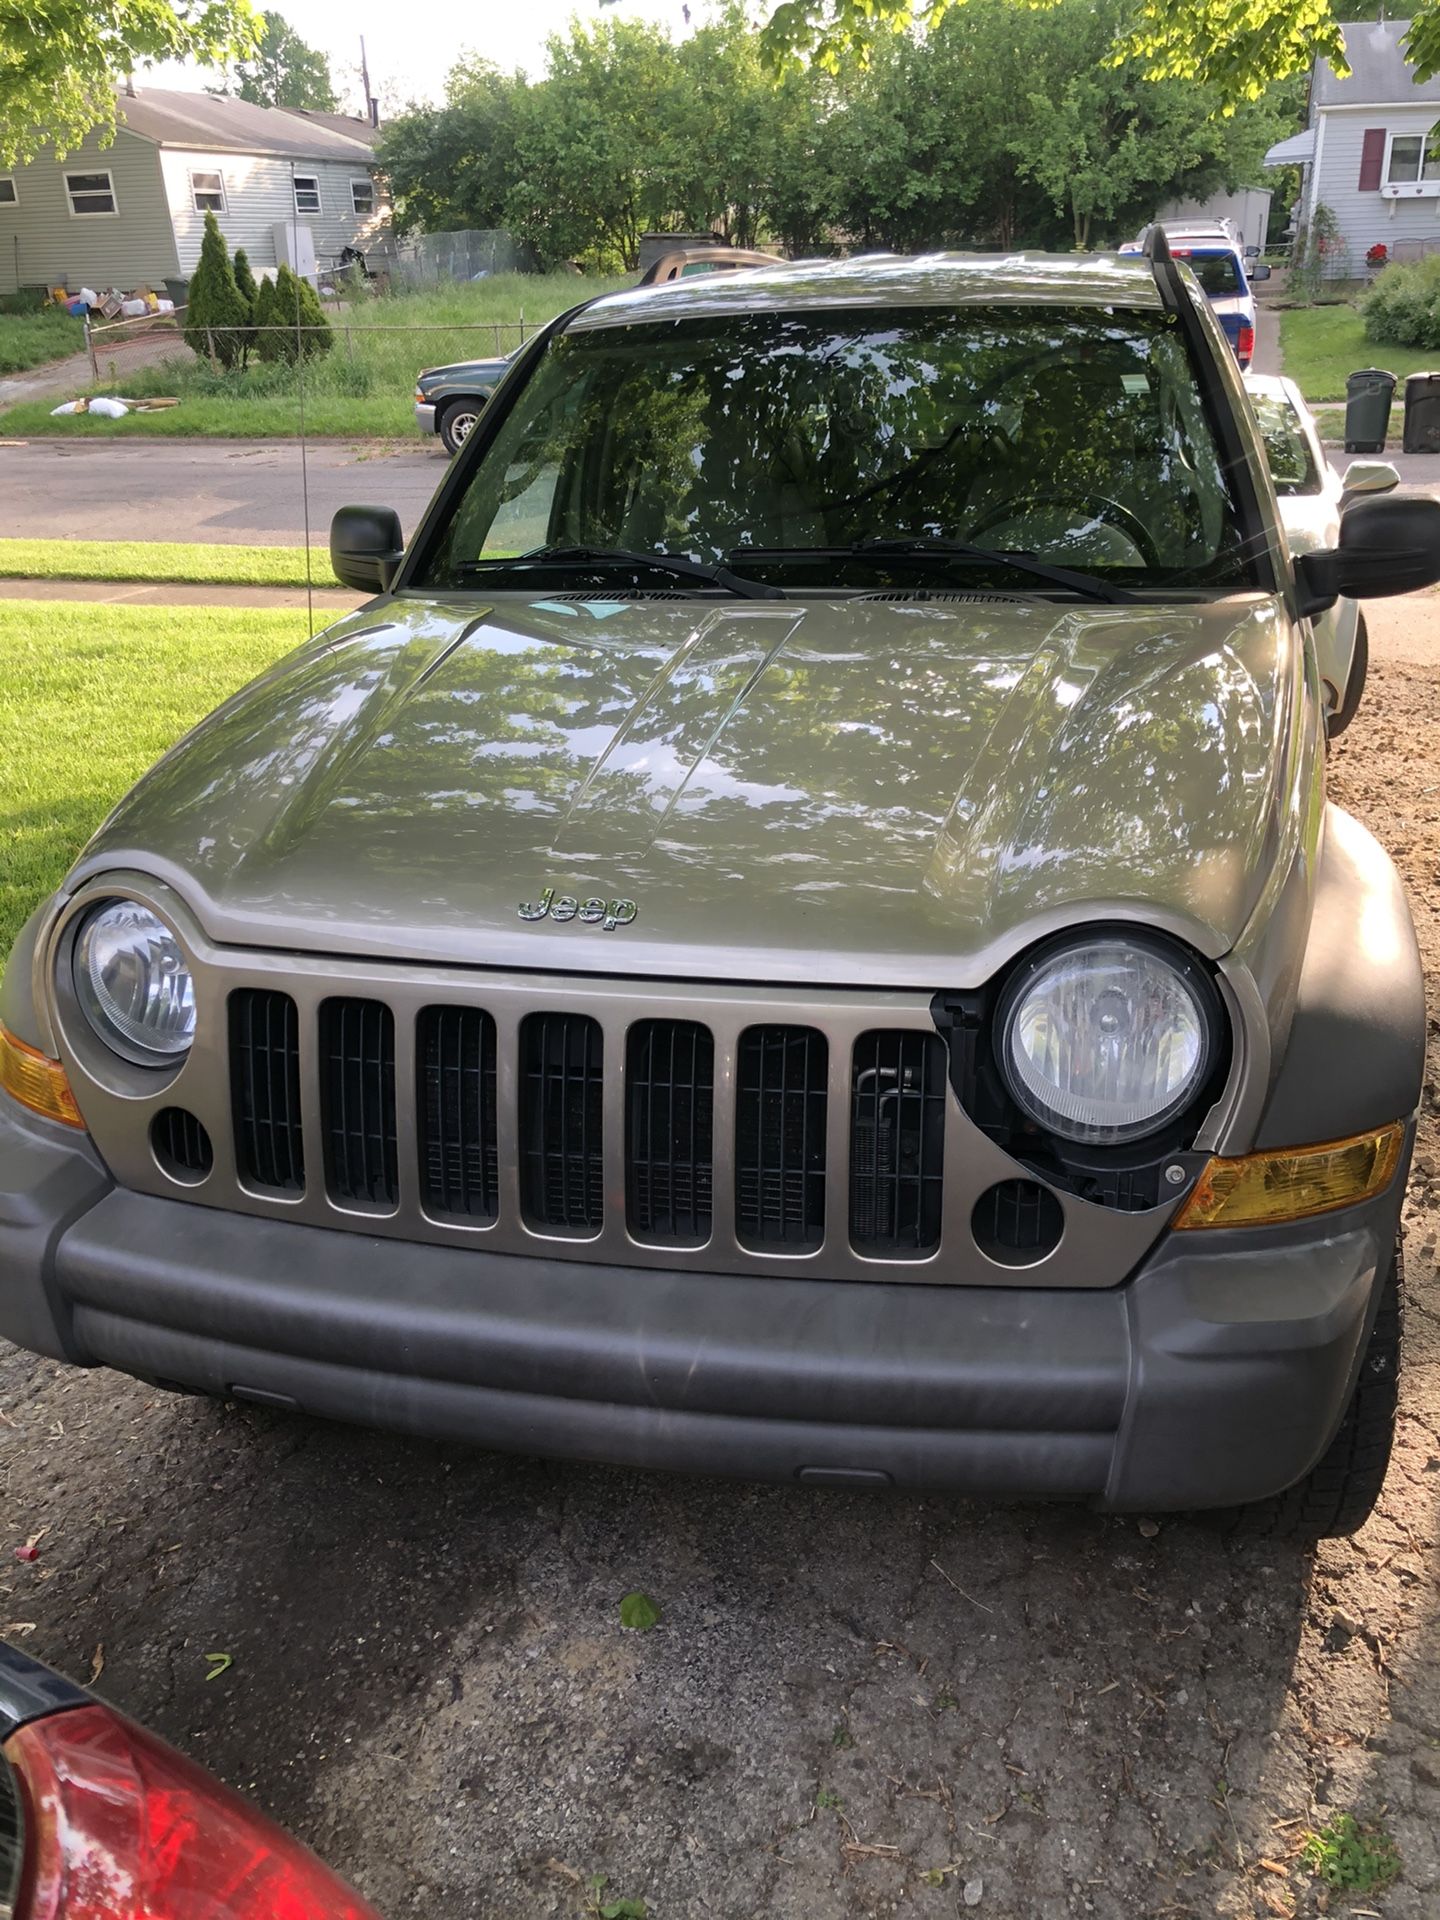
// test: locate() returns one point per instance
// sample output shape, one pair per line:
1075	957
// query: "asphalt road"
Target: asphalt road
227	491
852	1706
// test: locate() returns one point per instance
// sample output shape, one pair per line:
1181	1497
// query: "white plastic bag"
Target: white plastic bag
70	406
111	409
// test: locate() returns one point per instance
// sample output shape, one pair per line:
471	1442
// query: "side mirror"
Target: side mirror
1252	253
1260	271
1368	476
1386	547
366	547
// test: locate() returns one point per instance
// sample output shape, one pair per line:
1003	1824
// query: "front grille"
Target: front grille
781	1108
897	1142
357	1102
265	1089
669	1125
562	1174
459	1150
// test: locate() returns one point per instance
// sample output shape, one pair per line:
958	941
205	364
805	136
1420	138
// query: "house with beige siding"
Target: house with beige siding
1370	150
284	185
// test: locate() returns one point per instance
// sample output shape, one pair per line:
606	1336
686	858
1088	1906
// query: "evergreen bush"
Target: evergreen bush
215	314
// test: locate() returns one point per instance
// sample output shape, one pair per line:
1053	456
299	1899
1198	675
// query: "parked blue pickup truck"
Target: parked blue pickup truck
1218	262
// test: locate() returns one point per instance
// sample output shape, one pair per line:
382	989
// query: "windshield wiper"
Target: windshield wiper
675	564
949	554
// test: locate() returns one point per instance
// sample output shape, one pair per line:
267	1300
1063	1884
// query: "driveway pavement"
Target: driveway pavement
227	491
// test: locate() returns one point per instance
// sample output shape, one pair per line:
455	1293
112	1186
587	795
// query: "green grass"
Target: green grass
87	704
30	339
148	560
364	387
1319	346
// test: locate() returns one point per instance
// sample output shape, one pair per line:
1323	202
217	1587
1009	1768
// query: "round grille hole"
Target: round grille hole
181	1146
1017	1223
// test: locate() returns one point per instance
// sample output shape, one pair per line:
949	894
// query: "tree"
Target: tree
248	291
283	71
215	315
1239	48
272	327
60	61
453	167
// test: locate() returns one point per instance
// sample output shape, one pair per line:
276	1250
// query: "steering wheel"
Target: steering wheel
1103	508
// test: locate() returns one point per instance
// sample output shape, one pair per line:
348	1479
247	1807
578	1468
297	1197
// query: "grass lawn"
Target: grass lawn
30	339
1319	346
152	560
364	387
87	704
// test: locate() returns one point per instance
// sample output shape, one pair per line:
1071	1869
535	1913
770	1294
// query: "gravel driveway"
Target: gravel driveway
852	1706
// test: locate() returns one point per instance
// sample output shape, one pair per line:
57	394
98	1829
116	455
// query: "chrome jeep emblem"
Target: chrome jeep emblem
594	912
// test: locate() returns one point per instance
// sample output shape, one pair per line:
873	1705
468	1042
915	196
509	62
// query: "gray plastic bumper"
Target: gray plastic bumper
1218	1373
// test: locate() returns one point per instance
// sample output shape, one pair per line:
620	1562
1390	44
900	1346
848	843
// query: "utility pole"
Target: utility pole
372	105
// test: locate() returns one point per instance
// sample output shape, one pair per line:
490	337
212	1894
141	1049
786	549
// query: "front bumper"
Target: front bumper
1217	1374
424	417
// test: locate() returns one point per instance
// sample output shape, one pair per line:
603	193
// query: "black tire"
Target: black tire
1338	1494
457	423
1355	685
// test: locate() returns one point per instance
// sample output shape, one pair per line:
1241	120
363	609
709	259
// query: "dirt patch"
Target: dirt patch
851	1707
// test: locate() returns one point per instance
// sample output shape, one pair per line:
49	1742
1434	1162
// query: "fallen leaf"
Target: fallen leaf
97	1662
638	1612
219	1663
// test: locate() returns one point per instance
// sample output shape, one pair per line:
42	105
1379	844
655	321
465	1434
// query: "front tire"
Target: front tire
457	423
1339	1493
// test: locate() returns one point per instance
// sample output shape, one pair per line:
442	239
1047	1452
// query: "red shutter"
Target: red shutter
1372	159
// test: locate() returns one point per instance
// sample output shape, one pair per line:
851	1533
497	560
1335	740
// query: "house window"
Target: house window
362	196
91	193
307	193
8	195
207	191
1413	156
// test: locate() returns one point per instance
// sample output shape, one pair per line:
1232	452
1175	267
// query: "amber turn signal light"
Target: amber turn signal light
36	1081
1260	1189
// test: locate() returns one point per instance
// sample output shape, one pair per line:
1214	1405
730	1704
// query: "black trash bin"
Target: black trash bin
1422	413
1367	409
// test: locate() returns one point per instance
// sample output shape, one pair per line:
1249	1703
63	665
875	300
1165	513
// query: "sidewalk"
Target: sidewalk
331	603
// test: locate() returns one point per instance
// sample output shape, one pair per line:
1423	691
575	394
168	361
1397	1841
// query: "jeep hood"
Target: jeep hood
888	791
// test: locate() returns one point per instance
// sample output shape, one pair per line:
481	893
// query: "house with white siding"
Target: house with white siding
1370	151
284	185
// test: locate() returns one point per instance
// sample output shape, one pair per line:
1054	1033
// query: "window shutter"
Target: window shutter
1372	159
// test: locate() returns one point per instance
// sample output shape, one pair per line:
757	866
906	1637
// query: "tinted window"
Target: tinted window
1218	274
1076	435
1292	465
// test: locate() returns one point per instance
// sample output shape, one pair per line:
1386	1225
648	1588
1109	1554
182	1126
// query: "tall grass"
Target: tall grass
30	339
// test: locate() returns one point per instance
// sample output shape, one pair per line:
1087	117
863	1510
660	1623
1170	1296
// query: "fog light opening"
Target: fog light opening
1017	1223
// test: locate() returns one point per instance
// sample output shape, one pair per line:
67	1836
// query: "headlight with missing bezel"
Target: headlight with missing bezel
134	984
1103	1040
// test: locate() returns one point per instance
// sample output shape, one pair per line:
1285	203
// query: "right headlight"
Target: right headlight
1104	1040
134	984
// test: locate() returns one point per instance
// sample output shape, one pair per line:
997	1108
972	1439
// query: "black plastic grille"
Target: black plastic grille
897	1141
265	1089
459	1171
357	1102
780	1117
181	1144
1017	1222
562	1181
669	1122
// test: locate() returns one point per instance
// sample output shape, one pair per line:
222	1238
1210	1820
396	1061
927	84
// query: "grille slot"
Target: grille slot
357	1102
897	1140
459	1161
265	1089
669	1126
181	1145
780	1114
562	1182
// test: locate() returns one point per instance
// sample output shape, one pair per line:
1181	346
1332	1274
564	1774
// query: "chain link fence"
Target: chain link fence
431	259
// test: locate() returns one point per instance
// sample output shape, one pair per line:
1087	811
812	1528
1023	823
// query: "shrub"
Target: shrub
317	338
215	315
266	317
245	286
1403	306
1320	254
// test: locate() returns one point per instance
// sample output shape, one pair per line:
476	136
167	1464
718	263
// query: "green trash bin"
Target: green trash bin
1368	394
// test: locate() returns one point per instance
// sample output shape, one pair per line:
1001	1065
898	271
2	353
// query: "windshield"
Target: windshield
1076	436
1218	273
1287	449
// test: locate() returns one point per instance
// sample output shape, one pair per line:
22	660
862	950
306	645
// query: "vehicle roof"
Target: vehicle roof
889	280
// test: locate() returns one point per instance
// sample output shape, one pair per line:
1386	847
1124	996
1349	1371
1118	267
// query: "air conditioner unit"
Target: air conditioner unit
295	248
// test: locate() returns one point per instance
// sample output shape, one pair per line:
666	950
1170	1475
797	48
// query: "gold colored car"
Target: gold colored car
799	934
